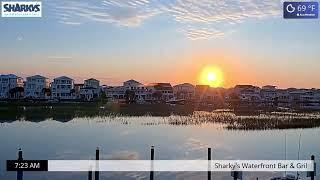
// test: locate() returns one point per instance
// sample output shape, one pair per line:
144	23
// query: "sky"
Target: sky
164	41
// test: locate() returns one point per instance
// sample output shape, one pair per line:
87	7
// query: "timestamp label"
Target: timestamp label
27	165
300	10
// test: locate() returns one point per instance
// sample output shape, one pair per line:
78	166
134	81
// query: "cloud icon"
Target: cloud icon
290	8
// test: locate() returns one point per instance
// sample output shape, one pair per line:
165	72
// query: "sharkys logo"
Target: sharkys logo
21	9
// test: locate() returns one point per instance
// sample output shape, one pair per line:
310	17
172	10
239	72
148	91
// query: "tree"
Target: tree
16	92
130	96
103	98
46	91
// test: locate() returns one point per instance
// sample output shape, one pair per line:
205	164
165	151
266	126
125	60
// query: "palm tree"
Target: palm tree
46	91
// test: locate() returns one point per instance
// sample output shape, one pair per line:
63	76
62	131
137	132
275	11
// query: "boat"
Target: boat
288	176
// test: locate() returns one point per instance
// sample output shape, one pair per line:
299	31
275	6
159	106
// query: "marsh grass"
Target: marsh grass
162	114
272	120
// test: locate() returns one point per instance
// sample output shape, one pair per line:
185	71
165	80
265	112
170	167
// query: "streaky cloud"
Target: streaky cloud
199	19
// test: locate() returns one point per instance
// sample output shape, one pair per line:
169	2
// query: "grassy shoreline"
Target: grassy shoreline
178	115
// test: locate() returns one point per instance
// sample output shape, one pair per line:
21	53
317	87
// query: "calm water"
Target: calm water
131	138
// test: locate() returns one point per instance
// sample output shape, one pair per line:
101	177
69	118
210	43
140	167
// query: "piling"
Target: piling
96	173
152	158
209	163
90	175
20	158
312	174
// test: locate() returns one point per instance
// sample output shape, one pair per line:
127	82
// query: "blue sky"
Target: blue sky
168	40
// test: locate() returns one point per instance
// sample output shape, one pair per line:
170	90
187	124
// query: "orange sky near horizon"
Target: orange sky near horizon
183	68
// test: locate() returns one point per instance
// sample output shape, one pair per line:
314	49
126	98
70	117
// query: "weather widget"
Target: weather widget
300	10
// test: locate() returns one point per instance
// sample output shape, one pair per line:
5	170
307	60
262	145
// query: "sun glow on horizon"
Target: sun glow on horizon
211	76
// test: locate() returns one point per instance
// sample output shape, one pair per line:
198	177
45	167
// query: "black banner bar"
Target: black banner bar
27	165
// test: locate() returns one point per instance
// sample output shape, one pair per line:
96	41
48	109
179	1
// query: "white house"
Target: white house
131	84
141	92
63	88
7	83
90	90
115	92
161	91
251	94
283	98
184	91
92	83
268	93
35	87
89	93
304	99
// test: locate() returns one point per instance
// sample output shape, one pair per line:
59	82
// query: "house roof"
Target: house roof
202	88
63	77
184	84
91	79
244	86
161	86
8	76
132	81
37	76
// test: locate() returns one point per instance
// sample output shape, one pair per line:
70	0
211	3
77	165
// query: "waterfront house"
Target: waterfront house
131	90
89	93
36	87
251	94
93	83
131	84
11	86
238	89
90	90
185	91
205	93
245	96
283	98
210	96
62	88
115	92
160	92
304	99
268	93
202	93
140	92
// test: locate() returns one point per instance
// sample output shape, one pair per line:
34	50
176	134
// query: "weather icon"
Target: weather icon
290	8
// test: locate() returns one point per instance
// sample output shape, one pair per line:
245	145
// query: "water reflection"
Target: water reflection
128	137
169	115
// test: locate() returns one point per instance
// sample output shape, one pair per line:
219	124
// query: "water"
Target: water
131	138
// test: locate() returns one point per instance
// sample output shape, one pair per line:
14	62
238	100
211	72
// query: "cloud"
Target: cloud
122	13
122	155
199	19
202	33
195	144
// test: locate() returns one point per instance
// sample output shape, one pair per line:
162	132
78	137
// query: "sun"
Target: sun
212	76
